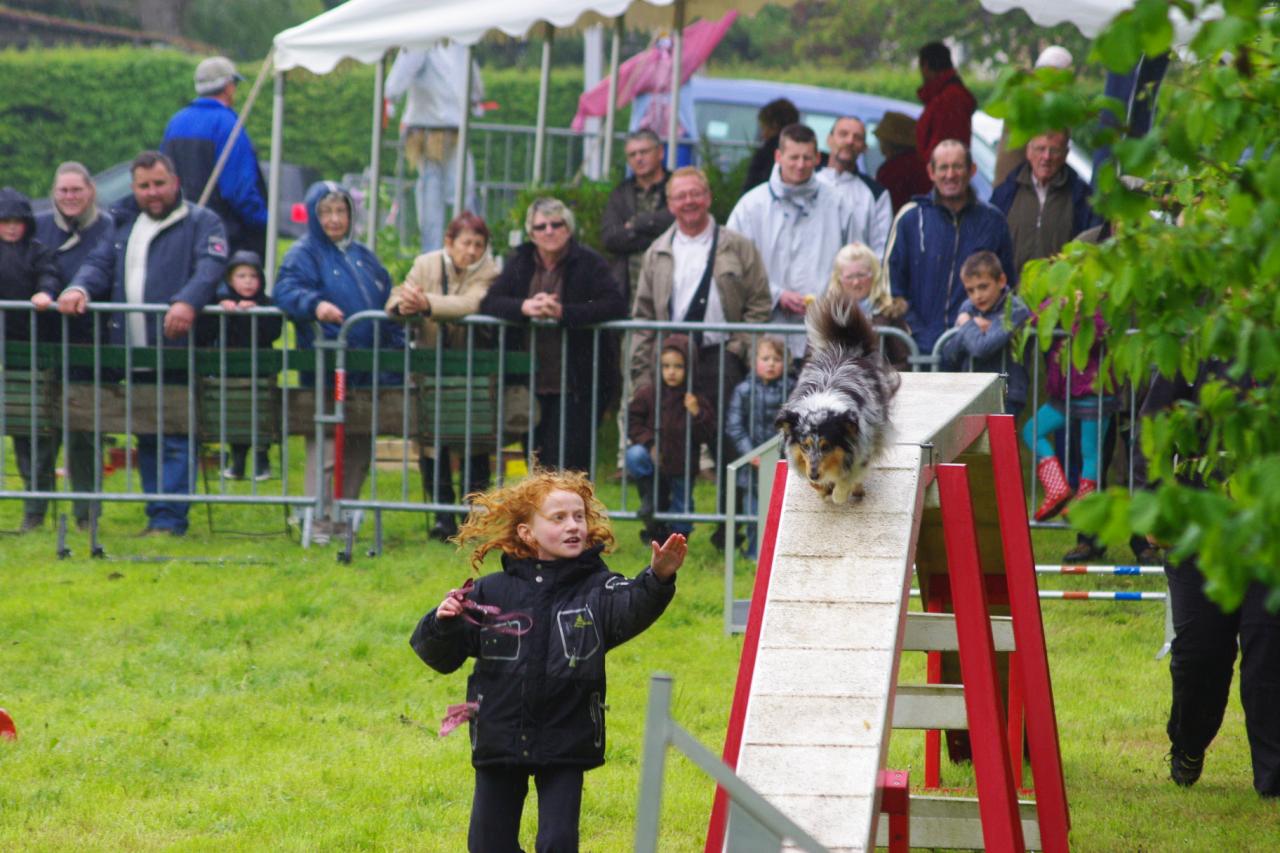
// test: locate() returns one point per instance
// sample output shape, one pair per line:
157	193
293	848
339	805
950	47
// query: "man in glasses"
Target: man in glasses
637	209
698	271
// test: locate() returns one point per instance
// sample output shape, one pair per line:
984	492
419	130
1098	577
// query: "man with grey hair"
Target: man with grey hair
637	209
194	140
566	287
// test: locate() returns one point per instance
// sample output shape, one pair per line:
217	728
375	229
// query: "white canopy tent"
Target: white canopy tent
366	30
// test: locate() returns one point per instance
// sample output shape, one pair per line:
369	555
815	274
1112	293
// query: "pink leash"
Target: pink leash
491	617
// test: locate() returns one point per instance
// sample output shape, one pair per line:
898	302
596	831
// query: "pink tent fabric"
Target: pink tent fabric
650	70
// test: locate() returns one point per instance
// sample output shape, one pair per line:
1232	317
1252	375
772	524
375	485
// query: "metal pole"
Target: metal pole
544	83
653	759
464	126
615	48
677	54
273	177
375	154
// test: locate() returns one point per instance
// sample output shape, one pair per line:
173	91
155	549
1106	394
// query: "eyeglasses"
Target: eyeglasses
690	195
856	276
638	152
1050	150
553	225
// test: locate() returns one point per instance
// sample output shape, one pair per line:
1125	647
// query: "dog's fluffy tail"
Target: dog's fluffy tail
836	320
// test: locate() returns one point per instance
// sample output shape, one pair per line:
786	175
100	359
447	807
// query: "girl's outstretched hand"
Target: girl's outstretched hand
668	557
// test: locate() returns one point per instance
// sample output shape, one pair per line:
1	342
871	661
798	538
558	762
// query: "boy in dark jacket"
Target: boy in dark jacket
656	430
539	631
241	290
27	268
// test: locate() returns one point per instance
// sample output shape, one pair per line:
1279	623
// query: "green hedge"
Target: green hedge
103	106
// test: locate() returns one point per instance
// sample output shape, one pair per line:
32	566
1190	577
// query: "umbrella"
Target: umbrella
650	70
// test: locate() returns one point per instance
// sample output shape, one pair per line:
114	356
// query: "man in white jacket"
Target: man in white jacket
434	80
870	202
798	224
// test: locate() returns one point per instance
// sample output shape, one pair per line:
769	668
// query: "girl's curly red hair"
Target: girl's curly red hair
496	514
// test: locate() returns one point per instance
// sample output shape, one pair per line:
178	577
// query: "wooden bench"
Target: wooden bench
441	398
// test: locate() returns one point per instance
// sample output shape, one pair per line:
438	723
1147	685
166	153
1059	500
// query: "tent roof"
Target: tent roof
1089	16
365	30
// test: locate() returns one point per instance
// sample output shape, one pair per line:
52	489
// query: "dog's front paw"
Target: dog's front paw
844	494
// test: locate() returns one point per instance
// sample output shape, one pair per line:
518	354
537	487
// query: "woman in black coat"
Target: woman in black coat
565	287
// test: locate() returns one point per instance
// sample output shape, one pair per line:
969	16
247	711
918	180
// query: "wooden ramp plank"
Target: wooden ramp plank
814	737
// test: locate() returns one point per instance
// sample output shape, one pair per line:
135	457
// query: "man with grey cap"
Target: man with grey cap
194	140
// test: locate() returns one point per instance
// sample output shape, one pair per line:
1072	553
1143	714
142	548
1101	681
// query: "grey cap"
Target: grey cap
214	73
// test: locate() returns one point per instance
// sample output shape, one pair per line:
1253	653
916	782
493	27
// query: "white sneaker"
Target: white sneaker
231	474
262	476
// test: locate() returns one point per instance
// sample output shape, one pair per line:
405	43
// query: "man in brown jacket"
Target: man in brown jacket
699	271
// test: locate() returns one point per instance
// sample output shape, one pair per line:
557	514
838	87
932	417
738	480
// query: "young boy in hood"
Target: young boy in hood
28	268
243	289
656	429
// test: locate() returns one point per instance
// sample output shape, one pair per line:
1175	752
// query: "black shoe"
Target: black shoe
31	522
717	537
1184	769
444	528
1083	552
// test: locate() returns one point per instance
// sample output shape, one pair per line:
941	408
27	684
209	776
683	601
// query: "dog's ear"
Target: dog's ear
786	421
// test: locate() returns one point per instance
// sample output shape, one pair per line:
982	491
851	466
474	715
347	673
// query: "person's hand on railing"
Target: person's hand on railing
327	312
178	320
542	305
42	301
73	301
414	301
962	318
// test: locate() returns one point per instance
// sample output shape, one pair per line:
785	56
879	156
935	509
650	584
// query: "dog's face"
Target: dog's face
820	444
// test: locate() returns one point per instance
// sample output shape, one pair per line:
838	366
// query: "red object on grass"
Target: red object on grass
8	730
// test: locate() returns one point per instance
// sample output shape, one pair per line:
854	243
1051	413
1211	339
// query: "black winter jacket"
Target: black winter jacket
541	695
590	296
26	267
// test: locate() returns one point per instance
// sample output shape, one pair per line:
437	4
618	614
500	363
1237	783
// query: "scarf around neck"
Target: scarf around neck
799	196
75	225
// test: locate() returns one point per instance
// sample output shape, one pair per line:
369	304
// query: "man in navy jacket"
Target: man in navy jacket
194	140
933	236
166	251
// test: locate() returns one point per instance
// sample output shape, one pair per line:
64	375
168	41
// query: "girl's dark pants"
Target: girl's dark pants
499	801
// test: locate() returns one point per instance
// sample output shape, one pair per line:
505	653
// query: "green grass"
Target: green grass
271	701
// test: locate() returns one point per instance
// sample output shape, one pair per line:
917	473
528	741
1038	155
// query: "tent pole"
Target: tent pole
544	83
464	126
677	58
614	49
375	152
273	176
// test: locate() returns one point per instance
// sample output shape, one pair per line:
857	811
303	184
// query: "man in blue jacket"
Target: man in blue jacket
933	236
194	140
166	251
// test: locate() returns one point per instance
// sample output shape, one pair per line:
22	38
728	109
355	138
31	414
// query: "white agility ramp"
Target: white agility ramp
820	707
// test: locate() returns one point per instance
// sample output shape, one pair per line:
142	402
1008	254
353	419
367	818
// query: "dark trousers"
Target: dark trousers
499	802
240	456
579	427
442	491
36	468
1200	663
717	382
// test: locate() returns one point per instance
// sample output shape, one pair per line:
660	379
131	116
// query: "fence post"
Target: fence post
653	763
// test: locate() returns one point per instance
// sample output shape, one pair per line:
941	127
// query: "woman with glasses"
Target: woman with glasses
560	287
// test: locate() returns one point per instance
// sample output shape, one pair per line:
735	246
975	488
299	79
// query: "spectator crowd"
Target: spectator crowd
913	247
